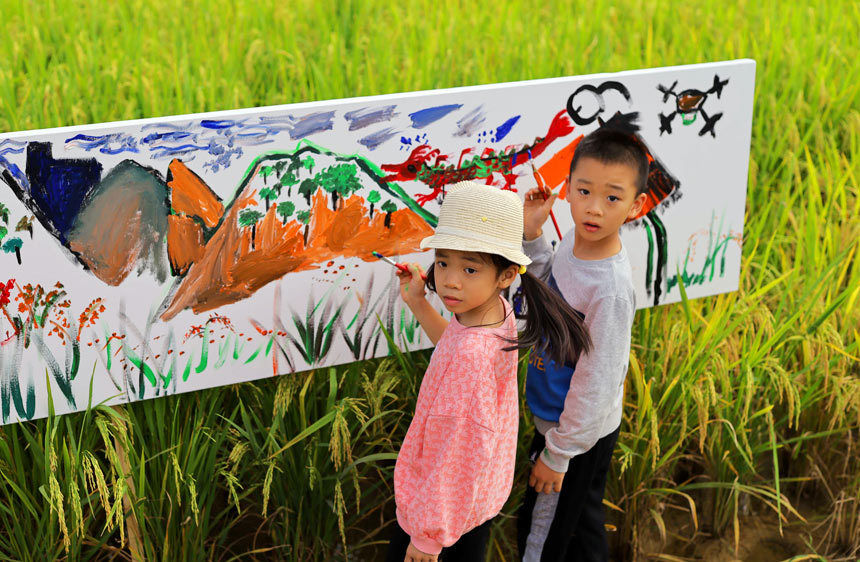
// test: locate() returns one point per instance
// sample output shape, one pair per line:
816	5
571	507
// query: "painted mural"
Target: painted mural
151	257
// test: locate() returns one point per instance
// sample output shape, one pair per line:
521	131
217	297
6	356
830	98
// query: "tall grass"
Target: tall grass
742	404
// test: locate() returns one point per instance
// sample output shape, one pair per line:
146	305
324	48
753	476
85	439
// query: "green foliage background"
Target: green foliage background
737	405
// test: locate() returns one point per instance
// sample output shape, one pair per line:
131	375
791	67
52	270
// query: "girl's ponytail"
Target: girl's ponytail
553	327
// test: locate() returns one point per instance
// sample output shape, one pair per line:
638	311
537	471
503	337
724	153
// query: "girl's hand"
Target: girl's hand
415	555
535	212
411	284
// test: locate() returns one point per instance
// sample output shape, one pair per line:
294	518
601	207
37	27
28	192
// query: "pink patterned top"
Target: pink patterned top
456	466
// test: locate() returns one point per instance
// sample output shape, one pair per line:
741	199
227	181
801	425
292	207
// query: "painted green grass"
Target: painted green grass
738	404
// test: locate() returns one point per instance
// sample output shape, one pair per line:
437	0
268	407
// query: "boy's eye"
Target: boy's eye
471	270
583	191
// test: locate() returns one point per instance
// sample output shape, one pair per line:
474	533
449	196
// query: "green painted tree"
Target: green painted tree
305	218
14	245
3	232
269	194
285	210
266	171
326	179
4	213
288	180
307	188
26	223
340	180
388	207
249	218
373	198
308	164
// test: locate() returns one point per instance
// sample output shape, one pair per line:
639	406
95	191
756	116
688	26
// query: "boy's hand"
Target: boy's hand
535	212
544	479
411	284
415	555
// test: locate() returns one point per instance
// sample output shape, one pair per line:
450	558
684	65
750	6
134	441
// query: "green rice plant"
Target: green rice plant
331	448
741	403
177	483
58	489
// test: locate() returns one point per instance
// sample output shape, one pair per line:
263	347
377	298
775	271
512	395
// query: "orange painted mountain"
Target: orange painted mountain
196	210
190	196
238	260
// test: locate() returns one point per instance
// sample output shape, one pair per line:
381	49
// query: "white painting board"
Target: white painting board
172	254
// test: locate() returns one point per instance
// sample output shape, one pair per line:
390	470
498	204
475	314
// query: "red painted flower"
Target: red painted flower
6	291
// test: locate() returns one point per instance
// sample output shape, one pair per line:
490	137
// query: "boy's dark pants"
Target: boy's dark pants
577	531
472	547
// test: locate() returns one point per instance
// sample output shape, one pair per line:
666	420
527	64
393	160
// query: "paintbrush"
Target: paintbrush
399	266
543	191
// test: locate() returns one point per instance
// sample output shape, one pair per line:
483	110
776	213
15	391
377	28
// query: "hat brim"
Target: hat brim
451	242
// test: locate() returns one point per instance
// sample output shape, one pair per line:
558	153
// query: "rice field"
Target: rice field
740	433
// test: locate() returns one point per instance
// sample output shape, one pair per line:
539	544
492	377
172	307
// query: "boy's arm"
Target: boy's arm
541	253
535	213
413	294
595	383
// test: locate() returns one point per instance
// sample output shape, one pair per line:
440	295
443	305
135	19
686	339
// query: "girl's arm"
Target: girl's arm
414	295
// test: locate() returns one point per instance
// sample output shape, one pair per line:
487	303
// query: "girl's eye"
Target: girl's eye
583	192
440	263
471	270
613	198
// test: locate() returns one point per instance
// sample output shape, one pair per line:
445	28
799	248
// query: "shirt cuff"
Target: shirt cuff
428	546
556	462
536	247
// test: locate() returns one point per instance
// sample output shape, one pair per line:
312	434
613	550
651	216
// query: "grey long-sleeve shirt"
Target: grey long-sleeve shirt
602	290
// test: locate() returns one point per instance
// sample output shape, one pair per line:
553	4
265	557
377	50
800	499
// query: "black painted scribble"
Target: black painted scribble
689	104
597	94
662	190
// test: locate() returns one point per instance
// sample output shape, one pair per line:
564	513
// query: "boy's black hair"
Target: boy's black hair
553	327
613	146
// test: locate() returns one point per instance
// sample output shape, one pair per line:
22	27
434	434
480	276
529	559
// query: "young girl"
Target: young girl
455	468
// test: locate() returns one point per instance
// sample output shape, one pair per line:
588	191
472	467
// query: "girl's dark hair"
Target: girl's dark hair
553	327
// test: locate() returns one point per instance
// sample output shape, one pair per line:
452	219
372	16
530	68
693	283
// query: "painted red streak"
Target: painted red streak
424	158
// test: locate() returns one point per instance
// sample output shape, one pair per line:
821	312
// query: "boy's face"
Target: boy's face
602	197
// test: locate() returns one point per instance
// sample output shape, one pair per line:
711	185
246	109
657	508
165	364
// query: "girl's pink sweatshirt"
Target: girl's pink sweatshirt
456	466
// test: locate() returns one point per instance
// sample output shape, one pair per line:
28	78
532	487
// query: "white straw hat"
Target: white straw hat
480	218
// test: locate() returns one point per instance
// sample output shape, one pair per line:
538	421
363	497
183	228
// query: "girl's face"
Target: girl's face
469	284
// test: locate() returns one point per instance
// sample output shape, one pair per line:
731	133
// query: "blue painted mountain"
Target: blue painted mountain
58	187
113	225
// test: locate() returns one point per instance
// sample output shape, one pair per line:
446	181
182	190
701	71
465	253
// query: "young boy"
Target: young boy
577	408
